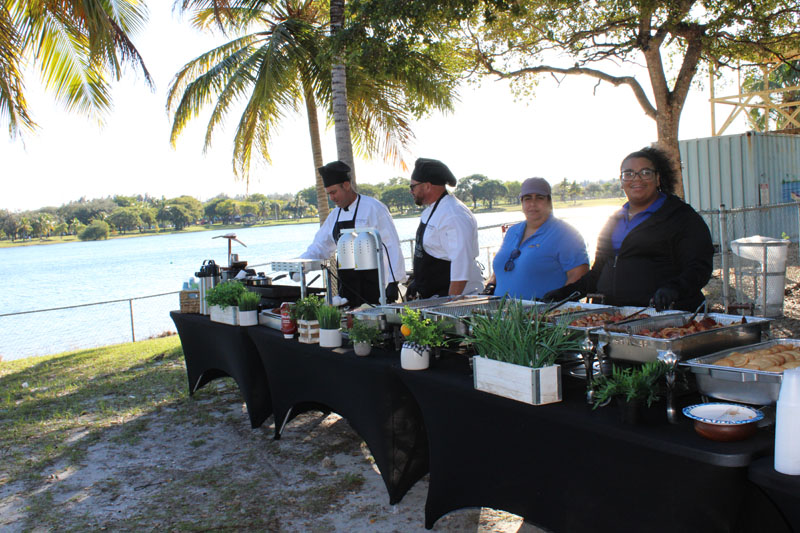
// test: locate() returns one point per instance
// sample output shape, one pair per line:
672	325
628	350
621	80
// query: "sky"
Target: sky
574	129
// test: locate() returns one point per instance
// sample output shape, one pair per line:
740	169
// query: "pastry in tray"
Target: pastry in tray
773	359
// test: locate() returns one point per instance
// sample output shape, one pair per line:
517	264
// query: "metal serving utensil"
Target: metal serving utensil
631	316
669	358
561	302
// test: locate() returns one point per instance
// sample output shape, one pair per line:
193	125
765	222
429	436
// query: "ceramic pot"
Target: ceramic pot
248	318
330	338
415	357
362	348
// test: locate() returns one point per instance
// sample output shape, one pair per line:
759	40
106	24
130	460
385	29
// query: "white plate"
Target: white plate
723	413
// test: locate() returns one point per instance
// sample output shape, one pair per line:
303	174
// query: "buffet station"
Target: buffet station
526	406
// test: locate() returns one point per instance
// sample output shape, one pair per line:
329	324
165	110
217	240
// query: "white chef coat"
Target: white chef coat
371	214
452	234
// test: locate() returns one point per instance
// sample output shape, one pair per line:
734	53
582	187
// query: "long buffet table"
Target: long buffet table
561	466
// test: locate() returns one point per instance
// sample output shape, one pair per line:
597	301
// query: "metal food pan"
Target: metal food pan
623	310
269	319
453	317
376	315
755	387
623	341
393	312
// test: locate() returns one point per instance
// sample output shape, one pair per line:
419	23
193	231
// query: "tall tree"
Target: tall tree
78	45
523	39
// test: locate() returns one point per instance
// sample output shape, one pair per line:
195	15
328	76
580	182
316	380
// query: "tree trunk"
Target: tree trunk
316	150
667	125
341	120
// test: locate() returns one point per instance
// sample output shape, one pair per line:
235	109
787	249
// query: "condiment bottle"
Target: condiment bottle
787	424
288	326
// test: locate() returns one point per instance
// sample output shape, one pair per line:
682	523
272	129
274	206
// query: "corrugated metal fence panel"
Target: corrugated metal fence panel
731	169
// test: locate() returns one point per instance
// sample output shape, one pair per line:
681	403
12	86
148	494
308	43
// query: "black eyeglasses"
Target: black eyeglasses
510	263
411	187
647	174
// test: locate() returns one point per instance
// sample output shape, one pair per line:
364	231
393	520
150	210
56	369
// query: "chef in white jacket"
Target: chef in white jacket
354	210
446	250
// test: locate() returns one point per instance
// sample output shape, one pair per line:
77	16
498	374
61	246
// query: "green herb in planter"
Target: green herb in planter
226	294
329	317
630	383
363	331
517	335
249	301
306	308
420	331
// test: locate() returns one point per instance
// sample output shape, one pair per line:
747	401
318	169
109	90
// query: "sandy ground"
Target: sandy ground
213	472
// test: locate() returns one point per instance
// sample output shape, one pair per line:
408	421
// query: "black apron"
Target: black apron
358	286
431	275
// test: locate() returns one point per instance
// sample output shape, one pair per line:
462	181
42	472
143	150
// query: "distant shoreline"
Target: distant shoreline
6	243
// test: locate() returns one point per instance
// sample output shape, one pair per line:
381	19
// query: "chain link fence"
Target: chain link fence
48	331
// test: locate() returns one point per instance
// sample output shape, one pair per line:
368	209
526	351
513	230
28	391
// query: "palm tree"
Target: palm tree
77	44
280	68
344	148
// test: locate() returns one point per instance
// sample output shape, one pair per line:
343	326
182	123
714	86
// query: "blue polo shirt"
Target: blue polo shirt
625	226
545	257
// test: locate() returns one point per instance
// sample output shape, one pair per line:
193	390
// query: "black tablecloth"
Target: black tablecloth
363	390
213	350
782	489
568	468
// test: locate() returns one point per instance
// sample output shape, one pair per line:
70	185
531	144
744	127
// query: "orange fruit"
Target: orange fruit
405	330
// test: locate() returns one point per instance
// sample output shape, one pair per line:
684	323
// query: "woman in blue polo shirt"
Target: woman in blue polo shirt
538	255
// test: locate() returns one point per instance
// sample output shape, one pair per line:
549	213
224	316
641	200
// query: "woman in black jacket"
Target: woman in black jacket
655	250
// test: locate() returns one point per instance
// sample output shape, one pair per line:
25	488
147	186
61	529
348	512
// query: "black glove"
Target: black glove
392	292
411	291
489	289
664	297
556	295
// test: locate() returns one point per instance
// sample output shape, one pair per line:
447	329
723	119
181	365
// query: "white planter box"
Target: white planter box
229	315
534	386
248	318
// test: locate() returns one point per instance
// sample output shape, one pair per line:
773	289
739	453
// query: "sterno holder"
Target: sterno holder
760	273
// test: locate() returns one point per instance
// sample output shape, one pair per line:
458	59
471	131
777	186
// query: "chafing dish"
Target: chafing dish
453	316
393	312
622	310
756	387
376	315
622	341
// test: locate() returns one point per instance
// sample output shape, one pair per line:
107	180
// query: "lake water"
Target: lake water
69	274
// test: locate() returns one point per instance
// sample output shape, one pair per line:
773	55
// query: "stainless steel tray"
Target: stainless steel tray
628	345
376	315
269	319
755	387
394	311
452	317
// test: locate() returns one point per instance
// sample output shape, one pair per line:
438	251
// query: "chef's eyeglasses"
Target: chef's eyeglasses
510	263
647	174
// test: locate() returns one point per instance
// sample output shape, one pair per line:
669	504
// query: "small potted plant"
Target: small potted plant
223	302
421	335
632	389
517	351
363	334
304	312
330	322
248	308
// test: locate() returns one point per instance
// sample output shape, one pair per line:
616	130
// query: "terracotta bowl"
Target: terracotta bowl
724	422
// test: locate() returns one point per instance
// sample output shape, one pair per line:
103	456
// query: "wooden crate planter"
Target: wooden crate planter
229	315
534	386
308	331
190	301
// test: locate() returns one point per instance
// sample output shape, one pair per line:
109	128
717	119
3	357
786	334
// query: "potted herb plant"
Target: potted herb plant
248	308
517	350
330	322
304	312
421	335
223	302
363	334
632	388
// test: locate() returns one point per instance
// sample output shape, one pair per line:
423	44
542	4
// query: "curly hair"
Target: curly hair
663	165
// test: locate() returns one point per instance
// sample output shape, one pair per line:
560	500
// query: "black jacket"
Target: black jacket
672	249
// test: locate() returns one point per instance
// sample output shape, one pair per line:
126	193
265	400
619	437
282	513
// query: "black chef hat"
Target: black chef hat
333	173
432	171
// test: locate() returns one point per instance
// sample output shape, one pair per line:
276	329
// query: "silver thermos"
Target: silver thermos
209	278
